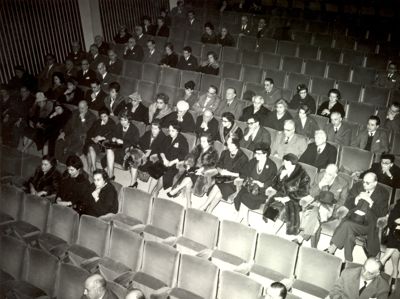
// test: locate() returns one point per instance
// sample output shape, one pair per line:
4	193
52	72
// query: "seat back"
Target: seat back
191	139
160	261
168	216
237	239
63	222
94	234
132	69
233	285
29	164
126	247
311	170
40	270
12	256
201	227
276	253
35	211
137	204
198	276
317	267
11	201
354	159
70	282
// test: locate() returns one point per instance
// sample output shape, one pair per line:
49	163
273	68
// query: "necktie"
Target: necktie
112	103
362	288
243	27
286	140
336	129
369	142
319	150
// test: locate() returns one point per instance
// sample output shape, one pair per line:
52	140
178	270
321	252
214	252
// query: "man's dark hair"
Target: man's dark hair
270	80
281	286
388	157
376	118
187	48
115	85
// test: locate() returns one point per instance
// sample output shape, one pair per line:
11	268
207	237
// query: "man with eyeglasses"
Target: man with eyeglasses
392	121
390	78
337	131
361	282
210	100
366	203
86	75
254	134
258	109
287	142
230	104
386	171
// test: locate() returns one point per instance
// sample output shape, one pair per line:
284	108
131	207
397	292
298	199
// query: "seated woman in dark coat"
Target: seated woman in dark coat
74	185
100	131
174	151
302	97
102	197
208	37
124	136
228	127
229	166
46	179
203	160
73	95
332	105
291	184
225	39
136	109
304	123
211	65
170	58
258	174
277	117
58	88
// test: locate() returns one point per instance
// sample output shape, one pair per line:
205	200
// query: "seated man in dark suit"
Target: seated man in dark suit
366	203
244	26
182	116
96	287
337	131
104	76
206	123
254	134
101	45
392	121
133	51
76	55
390	78
86	75
256	109
161	29
95	96
361	282
271	93
187	62
114	64
140	37
95	57
151	55
319	153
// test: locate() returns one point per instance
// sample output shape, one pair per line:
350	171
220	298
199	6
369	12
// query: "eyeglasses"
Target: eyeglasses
251	123
367	183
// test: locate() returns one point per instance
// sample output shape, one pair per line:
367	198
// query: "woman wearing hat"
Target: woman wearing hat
302	97
136	109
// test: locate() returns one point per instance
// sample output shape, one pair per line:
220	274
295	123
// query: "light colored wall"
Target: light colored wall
91	22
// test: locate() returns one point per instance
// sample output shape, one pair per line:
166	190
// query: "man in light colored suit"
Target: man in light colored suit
231	104
372	139
151	55
210	100
254	134
336	131
361	283
288	142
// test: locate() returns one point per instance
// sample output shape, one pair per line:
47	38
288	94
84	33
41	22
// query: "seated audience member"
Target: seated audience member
76	55
122	36
86	75
390	78
191	21
72	138
228	128
289	186
230	104
372	138
104	76
209	36
302	97
189	96
258	109
102	197
101	130
114	64
392	121
187	62
332	105
164	13
210	100
319	153
70	70
204	158
271	93
287	141
95	57
135	294
262	29
211	65
361	282
46	179
147	26
244	26
159	108
151	54
276	290
174	151
45	77
225	39
230	164
328	192
95	96
206	123
367	201
133	51
337	131
58	88
96	287
393	243
141	38
74	185
278	116
386	171
151	144
181	116
254	134
37	115
124	136
161	29
170	59
179	10
136	109
305	124
101	45
257	175
114	102
22	78
73	94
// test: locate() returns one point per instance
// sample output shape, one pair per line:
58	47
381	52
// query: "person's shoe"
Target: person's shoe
297	241
327	251
133	185
172	195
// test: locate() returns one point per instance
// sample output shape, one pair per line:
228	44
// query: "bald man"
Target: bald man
206	123
287	141
361	282
366	203
96	288
135	294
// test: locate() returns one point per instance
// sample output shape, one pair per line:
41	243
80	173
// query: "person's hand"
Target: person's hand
63	203
397	221
41	193
269	192
61	136
326	112
282	199
113	139
166	163
223	172
93	95
386	171
31	124
119	141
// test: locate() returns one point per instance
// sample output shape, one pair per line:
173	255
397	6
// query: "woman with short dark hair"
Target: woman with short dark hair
170	59
228	127
302	97
211	65
304	123
332	105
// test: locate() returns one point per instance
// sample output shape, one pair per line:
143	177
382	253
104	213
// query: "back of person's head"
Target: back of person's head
74	161
135	294
277	290
187	49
